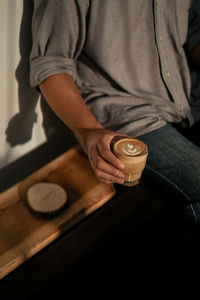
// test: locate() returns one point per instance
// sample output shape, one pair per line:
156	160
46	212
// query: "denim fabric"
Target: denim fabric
173	171
174	163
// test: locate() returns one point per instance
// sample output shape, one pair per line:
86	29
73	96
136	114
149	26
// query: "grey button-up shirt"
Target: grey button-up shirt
127	57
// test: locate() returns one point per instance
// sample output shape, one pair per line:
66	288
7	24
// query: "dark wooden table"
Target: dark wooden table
124	215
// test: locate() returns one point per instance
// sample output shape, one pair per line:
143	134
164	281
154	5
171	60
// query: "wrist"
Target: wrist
83	132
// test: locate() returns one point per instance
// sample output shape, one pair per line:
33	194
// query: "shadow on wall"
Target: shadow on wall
20	127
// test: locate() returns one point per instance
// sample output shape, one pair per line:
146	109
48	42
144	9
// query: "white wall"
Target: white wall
18	133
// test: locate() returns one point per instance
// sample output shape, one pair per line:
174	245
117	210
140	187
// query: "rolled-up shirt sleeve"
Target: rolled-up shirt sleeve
58	34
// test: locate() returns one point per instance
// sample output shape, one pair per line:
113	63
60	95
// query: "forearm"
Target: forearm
64	98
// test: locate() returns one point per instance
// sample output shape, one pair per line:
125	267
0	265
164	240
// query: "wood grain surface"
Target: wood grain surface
23	233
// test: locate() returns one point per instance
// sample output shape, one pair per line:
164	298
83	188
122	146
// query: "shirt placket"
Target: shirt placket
176	92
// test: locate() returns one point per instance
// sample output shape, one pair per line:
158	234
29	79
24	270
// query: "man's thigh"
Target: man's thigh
174	163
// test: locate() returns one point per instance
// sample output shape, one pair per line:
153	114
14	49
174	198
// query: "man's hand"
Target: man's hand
106	166
63	96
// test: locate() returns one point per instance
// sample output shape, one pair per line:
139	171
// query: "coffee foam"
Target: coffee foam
130	147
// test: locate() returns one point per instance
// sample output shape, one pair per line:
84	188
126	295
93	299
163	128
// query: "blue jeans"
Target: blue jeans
173	172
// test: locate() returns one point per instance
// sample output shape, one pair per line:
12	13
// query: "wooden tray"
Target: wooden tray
22	233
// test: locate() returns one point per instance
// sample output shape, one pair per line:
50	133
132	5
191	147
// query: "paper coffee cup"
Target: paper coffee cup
133	153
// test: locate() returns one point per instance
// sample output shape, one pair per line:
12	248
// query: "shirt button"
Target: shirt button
160	37
168	74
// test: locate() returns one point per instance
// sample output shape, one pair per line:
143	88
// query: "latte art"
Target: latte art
130	149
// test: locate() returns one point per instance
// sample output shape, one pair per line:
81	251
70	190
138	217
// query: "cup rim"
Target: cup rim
146	151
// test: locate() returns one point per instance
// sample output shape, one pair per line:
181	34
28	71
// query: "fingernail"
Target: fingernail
121	165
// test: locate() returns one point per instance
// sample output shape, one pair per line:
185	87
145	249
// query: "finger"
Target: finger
108	156
107	178
104	171
102	165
